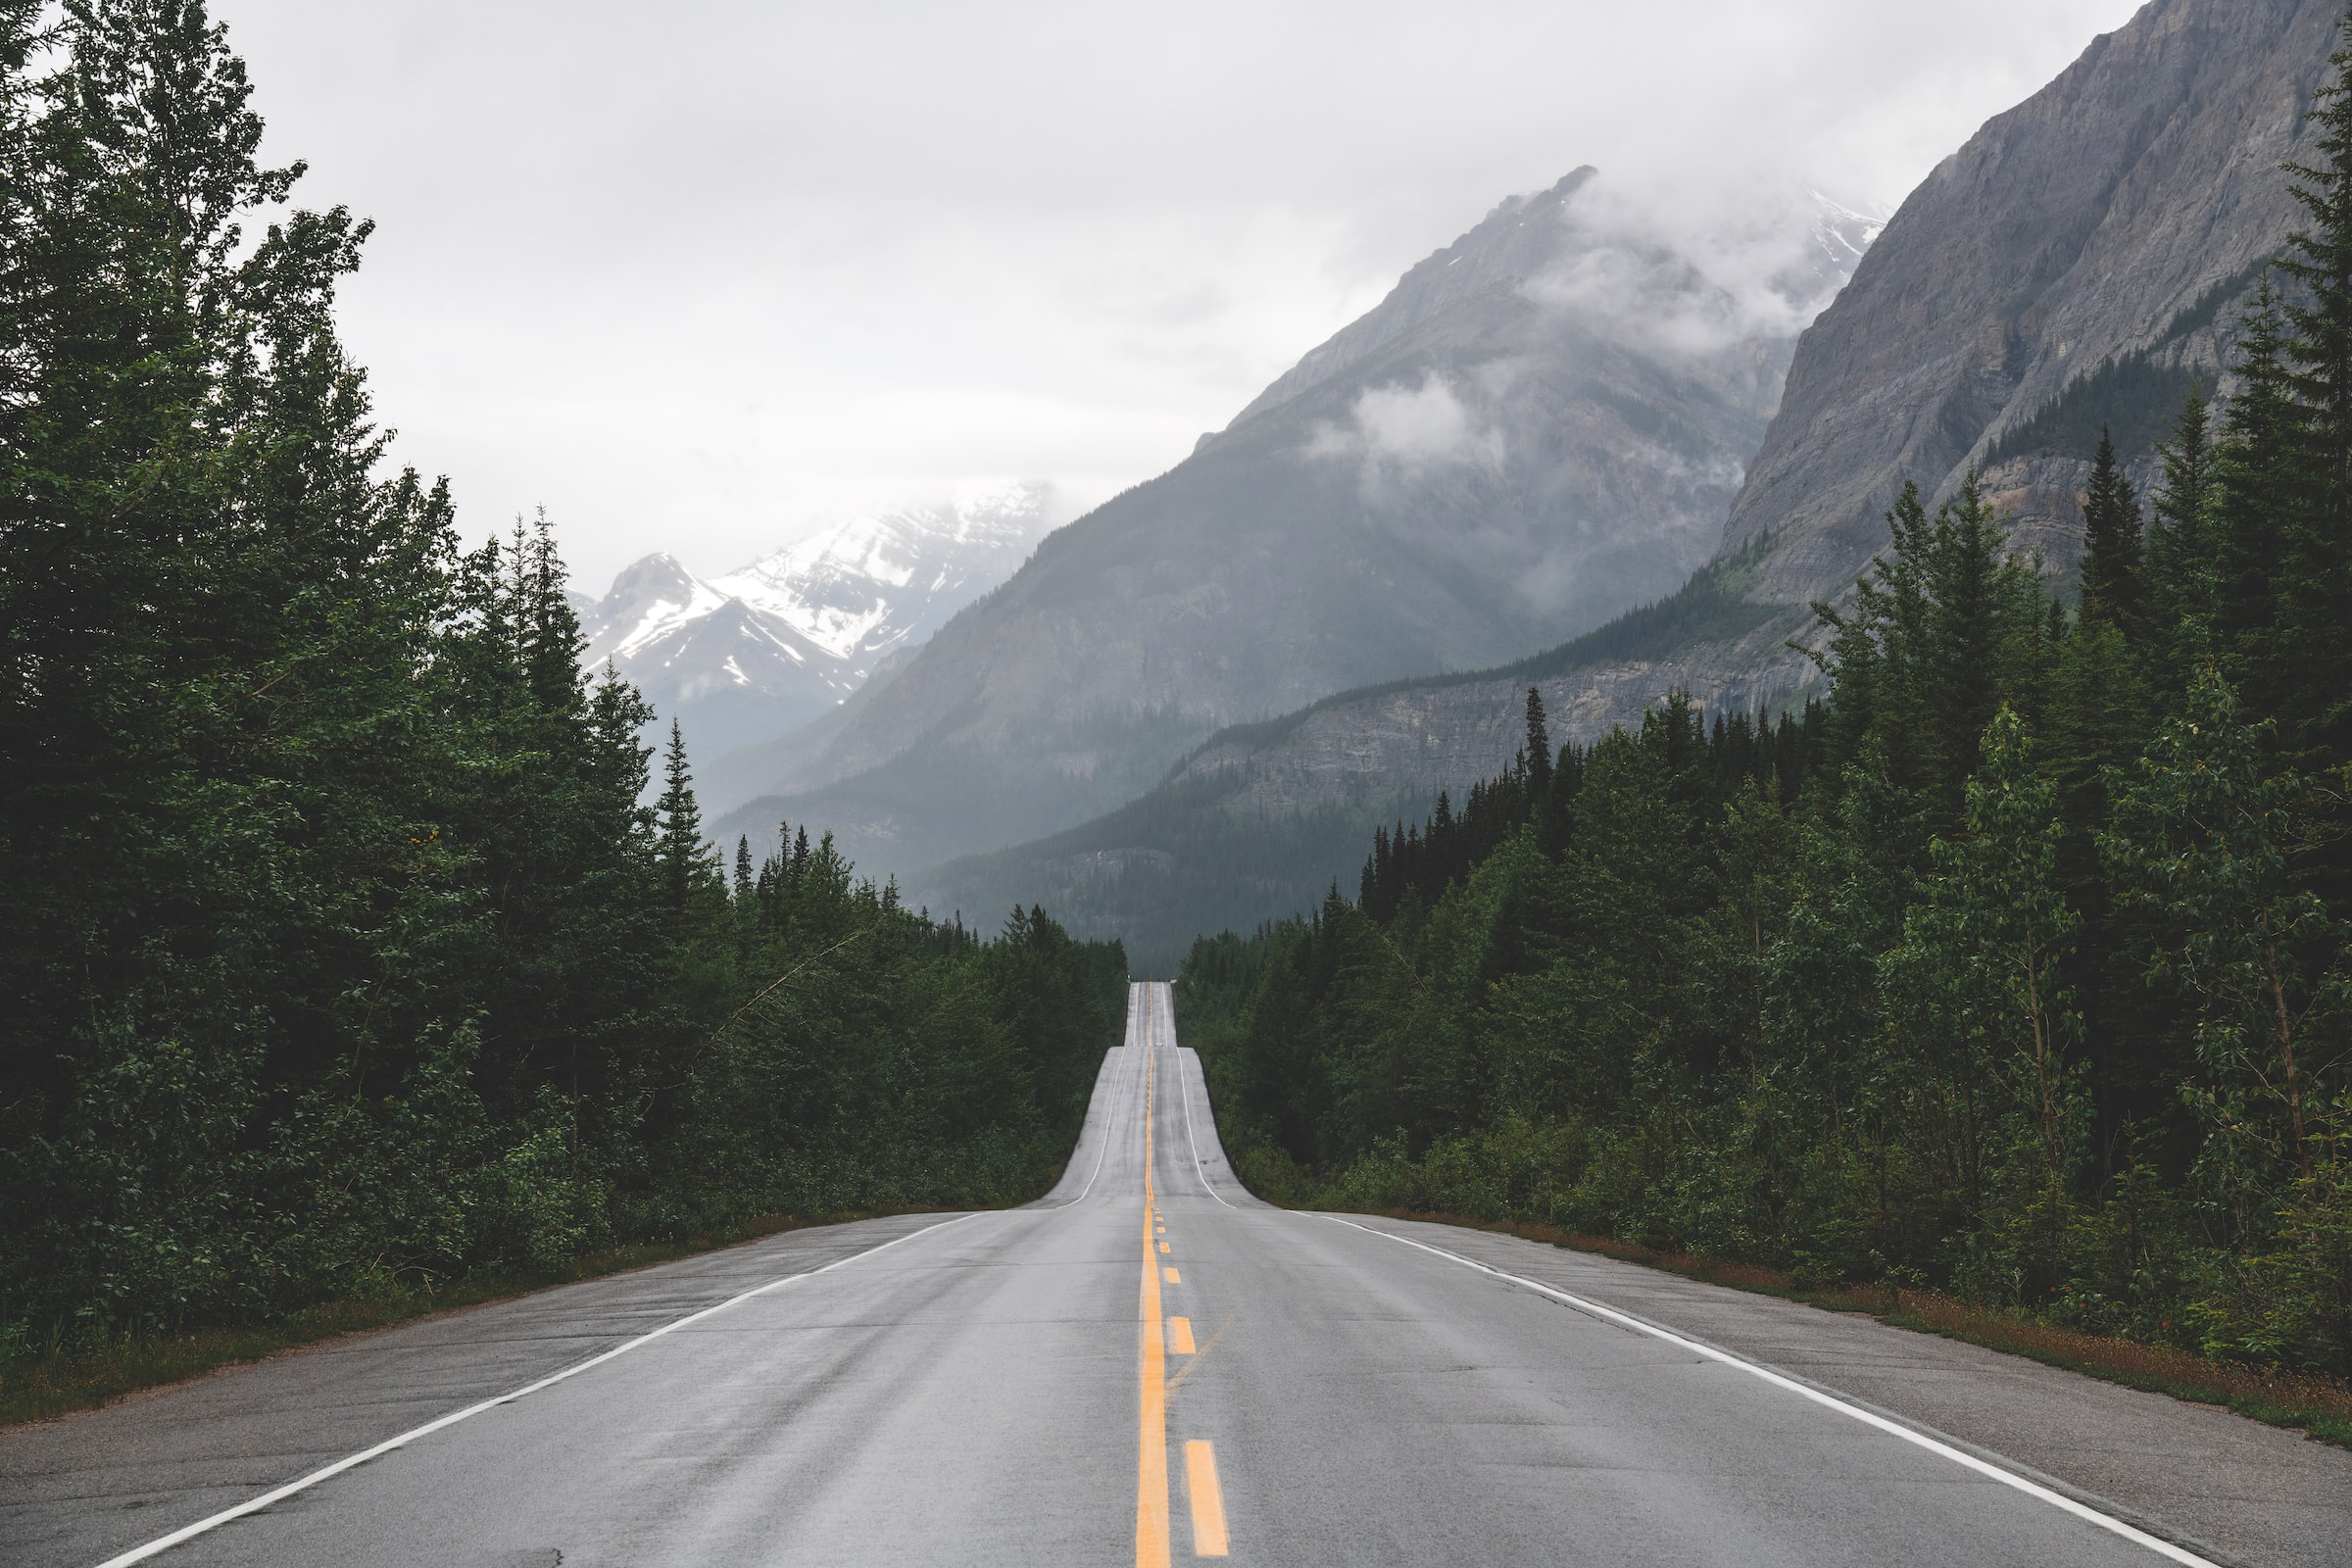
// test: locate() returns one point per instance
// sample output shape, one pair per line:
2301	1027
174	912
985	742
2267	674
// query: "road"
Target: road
1148	1364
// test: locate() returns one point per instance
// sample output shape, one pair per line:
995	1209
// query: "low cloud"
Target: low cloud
1401	434
1699	277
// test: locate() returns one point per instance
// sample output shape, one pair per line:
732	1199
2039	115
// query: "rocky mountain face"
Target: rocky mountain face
2077	264
1542	425
2080	260
745	657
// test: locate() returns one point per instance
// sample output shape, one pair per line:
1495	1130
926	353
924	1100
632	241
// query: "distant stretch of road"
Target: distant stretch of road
1145	1364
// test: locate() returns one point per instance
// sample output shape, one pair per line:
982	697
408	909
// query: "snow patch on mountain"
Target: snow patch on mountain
754	652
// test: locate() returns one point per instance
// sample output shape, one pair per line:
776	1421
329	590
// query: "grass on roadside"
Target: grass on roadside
2319	1407
80	1377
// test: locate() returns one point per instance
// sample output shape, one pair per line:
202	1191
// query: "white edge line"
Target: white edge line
1869	1418
256	1505
1185	1088
1109	1116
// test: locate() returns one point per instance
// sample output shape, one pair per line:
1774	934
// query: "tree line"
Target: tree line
338	953
2019	965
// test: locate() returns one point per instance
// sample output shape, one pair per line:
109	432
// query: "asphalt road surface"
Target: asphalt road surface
1149	1364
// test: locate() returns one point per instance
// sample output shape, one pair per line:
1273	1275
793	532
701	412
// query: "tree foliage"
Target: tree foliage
340	953
2020	967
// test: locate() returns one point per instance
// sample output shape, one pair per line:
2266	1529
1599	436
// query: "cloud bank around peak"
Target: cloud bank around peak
696	277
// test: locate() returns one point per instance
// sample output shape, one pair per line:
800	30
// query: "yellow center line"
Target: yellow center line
1207	1497
1163	1246
1179	1336
1152	1448
1170	1275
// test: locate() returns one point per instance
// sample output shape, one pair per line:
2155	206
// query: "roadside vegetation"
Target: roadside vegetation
342	964
2014	973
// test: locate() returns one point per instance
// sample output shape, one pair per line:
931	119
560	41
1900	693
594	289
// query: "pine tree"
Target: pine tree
2260	489
1535	758
682	844
2315	590
2113	589
2180	546
743	870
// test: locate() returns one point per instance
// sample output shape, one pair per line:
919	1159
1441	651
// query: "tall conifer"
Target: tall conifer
1538	754
2112	585
681	844
2315	588
2180	567
2261	483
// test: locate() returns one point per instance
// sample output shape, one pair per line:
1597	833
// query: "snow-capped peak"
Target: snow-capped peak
793	633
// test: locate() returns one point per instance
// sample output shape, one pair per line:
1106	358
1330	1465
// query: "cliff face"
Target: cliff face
2076	265
2124	207
2079	263
1543	425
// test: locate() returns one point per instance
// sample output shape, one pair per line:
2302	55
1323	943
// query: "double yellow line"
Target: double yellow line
1151	1446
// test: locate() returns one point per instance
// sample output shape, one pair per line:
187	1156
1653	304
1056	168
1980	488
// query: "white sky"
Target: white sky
702	276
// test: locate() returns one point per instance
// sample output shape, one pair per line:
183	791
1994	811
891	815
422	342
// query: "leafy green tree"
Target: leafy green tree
1978	981
2206	833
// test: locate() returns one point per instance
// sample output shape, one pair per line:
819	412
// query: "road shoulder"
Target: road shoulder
76	1489
2259	1495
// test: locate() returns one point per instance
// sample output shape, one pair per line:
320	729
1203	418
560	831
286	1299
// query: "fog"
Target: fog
705	276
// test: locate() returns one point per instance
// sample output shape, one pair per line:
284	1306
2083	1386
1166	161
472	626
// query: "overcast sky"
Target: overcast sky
702	276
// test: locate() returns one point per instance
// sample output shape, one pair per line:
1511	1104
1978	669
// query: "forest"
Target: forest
2017	965
341	951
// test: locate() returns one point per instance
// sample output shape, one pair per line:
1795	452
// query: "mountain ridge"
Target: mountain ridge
2041	345
1468	473
754	653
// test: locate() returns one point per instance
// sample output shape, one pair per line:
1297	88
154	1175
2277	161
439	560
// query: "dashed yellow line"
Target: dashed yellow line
1161	1336
1207	1499
1152	1446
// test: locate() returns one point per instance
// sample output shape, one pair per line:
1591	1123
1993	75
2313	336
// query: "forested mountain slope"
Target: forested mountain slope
2079	265
1541	426
2018	968
2079	261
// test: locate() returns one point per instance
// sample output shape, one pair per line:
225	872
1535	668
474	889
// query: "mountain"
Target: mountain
1541	426
745	657
2077	264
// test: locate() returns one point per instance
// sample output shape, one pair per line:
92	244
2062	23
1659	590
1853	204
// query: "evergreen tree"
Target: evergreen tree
2112	587
2315	591
682	853
1535	756
2261	488
337	946
1945	627
2179	547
